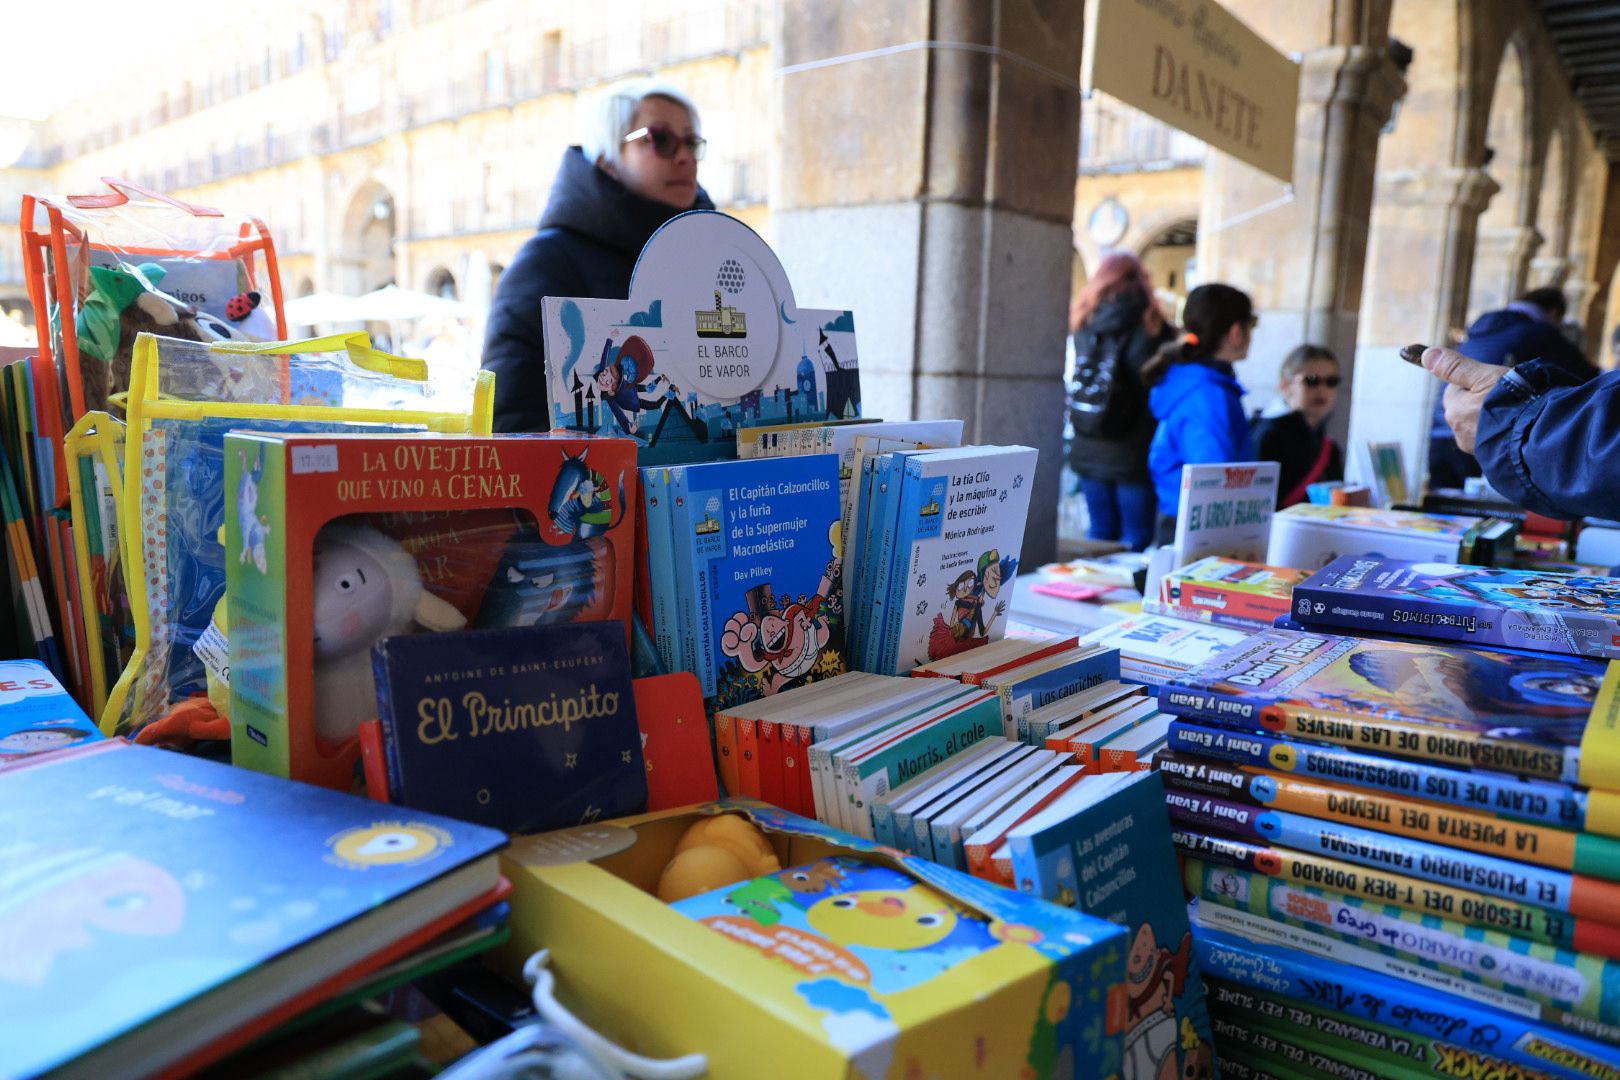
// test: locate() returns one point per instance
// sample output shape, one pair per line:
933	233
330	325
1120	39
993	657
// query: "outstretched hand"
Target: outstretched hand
1468	384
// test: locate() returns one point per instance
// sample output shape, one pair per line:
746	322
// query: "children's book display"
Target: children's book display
1226	592
1308	537
164	909
1478	605
36	713
1225	509
1154	649
335	542
709	341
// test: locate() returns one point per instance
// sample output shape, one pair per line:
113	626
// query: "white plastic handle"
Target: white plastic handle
538	971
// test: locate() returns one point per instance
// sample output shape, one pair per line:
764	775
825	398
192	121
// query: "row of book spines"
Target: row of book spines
1594	856
1556	890
1350	998
1414	894
1538	801
1267	1028
1576	991
765	760
1455	747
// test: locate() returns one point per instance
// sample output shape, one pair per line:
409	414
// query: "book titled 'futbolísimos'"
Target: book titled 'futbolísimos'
523	729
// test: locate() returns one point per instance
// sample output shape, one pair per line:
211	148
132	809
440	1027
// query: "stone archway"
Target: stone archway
1554	210
370	226
1507	238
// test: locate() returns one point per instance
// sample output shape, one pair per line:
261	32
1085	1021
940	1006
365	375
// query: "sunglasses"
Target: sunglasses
666	144
1313	381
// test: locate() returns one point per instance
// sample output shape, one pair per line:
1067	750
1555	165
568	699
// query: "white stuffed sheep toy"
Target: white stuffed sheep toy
366	587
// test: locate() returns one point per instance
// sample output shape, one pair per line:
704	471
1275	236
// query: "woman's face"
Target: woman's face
1313	389
671	180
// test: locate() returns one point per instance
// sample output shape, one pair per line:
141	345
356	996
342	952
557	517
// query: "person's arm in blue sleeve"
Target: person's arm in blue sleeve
1551	444
514	341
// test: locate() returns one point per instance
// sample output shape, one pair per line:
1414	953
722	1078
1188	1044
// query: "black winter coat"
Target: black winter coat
591	234
1123	459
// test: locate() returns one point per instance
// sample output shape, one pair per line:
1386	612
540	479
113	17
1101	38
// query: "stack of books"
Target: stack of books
1154	649
1397	834
1309	537
1226	592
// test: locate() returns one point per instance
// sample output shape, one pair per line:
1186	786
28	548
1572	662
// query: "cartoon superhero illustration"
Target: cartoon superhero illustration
581	504
783	640
1154	978
60	899
620	378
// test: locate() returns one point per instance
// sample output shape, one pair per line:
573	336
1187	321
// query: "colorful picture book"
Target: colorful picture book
1226	592
1520	609
709	341
36	713
748	597
1508	712
159	903
1105	848
1154	649
476	722
942	537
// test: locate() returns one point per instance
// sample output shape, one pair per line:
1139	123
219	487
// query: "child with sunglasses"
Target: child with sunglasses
1293	432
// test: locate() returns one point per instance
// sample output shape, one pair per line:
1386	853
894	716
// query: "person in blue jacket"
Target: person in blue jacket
636	170
1530	328
1195	396
1545	439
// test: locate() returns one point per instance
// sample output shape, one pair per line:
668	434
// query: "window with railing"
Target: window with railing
1117	138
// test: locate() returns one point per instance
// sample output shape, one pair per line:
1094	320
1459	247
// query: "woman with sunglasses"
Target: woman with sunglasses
1293	432
636	169
1195	396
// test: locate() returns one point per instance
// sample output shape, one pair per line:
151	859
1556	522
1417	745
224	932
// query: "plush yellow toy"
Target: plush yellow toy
714	852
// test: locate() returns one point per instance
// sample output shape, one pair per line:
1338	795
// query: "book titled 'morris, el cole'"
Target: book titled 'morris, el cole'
525	729
1521	609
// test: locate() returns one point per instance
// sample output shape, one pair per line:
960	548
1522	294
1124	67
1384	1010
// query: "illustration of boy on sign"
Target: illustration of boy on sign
622	376
962	625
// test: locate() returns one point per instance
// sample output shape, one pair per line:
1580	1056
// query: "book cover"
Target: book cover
36	713
1539	801
1309	537
1225	509
762	537
1509	712
1156	645
709	340
674	741
140	881
961	526
476	722
1111	859
1025	689
1227	592
1479	605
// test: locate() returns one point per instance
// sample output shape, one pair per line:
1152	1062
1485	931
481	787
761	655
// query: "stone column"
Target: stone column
1547	270
1501	266
924	178
1419	263
1302	259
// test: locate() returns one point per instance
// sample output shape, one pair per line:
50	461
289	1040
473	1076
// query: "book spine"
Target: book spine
1087	749
1528	800
661	568
820	771
1583	897
698	578
1025	696
904	569
887	485
1346	991
1347	1038
1594	856
807	791
1401	738
1584	986
1472	908
684	570
1272	1045
930	747
725	751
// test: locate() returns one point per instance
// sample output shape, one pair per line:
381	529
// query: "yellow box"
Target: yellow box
1030	1000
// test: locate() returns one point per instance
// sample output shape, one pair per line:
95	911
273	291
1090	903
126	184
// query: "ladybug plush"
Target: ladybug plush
241	306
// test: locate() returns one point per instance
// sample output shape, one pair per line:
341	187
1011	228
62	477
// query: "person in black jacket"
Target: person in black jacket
1296	436
637	170
1116	325
1527	329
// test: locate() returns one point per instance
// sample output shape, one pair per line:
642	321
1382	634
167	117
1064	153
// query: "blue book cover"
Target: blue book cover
761	540
137	880
1112	859
36	714
1539	801
1478	605
478	722
888	485
1317	980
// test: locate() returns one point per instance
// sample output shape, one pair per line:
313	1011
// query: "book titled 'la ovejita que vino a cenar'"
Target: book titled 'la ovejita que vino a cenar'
1553	717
